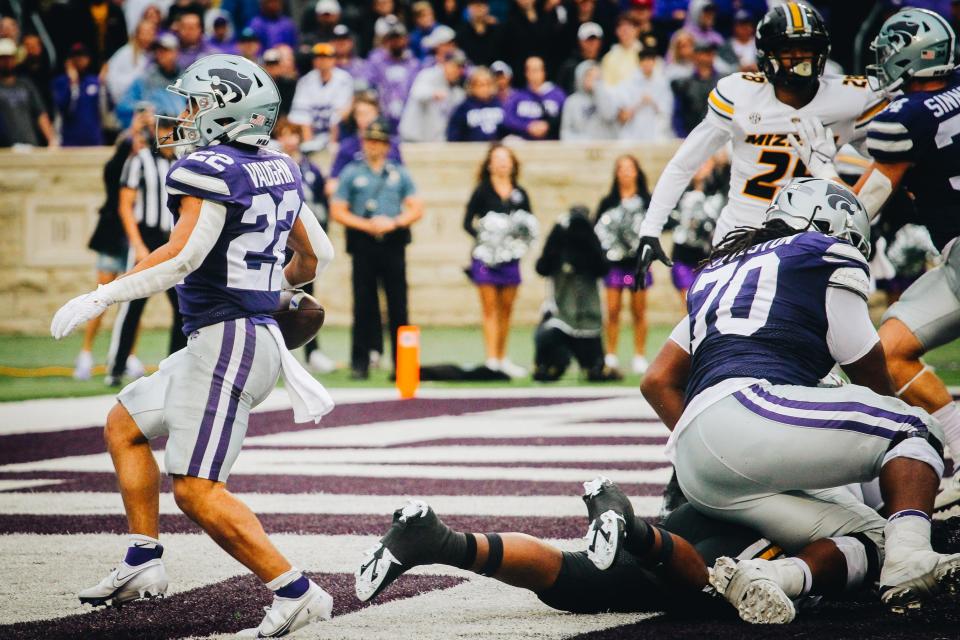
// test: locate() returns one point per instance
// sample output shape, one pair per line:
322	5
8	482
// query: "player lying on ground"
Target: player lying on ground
656	568
913	143
626	567
238	206
756	442
756	112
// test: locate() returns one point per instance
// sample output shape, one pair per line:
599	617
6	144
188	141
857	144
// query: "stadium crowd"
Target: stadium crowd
73	73
93	72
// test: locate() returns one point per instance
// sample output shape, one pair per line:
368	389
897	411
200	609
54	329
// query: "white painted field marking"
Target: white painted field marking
89	503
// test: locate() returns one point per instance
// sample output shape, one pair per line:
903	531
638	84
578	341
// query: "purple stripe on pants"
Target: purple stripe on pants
820	423
249	348
876	412
213	398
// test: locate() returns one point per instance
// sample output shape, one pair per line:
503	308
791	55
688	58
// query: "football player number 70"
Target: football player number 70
730	281
255	258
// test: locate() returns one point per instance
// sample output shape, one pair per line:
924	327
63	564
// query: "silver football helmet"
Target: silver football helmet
814	204
912	43
229	98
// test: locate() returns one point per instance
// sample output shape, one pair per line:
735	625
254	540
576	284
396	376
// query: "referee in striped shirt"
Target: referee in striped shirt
147	222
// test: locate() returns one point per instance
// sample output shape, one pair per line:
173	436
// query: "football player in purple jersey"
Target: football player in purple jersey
238	207
914	143
755	440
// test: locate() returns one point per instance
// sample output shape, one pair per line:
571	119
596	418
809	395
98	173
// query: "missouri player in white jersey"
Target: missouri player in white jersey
757	113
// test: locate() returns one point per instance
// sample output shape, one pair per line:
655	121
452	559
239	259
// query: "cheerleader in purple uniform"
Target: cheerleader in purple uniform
497	191
628	190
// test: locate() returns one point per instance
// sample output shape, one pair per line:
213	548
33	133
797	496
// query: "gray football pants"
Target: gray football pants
775	458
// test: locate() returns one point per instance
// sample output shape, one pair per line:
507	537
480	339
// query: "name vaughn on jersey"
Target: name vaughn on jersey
268	173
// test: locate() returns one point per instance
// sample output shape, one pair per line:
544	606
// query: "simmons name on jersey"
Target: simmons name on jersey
921	129
746	107
262	192
762	314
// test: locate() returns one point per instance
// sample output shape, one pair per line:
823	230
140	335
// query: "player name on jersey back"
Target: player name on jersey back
268	173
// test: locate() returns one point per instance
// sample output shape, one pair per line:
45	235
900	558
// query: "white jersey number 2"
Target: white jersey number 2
730	279
255	259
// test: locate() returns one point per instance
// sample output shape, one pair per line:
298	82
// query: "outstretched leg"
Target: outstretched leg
419	537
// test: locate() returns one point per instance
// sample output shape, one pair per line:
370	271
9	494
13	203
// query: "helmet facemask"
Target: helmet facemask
186	136
803	71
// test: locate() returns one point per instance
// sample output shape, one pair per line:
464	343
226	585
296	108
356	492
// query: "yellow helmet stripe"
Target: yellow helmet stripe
796	16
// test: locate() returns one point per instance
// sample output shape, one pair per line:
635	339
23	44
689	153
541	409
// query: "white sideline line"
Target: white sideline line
246	465
58	414
89	503
13	485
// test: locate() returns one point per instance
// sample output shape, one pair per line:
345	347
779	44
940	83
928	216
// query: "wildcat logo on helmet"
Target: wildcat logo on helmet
903	33
230	85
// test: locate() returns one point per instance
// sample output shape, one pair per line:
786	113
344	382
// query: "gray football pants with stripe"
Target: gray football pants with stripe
776	457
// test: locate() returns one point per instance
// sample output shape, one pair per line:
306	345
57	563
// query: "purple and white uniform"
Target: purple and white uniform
202	395
759	443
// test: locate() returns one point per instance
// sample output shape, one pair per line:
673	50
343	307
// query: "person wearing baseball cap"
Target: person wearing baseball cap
21	107
318	21
740	50
345	51
502	78
480	37
377	202
322	96
152	85
436	92
589	45
391	67
76	94
249	45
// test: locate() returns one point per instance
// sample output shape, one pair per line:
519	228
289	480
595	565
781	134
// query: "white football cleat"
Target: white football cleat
287	615
908	579
949	497
83	367
611	361
752	587
127	583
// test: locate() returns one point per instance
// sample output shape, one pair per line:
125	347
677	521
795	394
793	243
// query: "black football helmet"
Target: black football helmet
792	25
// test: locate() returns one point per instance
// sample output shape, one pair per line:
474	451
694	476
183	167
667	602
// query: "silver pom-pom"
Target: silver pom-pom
618	229
503	237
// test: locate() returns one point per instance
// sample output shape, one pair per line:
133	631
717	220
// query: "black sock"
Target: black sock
456	549
494	555
640	537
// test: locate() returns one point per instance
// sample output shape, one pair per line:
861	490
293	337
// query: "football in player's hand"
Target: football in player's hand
299	317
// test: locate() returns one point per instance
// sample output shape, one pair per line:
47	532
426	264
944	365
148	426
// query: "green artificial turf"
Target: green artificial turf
457	345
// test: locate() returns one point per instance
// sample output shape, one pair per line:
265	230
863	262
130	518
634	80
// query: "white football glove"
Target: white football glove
816	148
77	312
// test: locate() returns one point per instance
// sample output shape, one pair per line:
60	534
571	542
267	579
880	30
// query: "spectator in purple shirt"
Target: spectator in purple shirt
365	110
273	27
478	118
189	29
77	97
534	112
701	21
220	34
391	68
248	45
344	50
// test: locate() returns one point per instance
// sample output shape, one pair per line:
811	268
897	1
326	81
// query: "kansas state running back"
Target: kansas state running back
758	443
238	206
